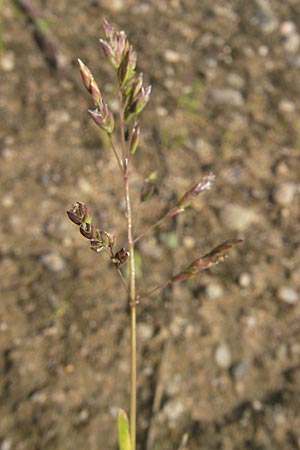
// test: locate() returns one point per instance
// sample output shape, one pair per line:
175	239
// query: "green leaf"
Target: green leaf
123	431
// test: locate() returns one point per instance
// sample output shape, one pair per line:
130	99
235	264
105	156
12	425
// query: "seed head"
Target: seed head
211	258
90	83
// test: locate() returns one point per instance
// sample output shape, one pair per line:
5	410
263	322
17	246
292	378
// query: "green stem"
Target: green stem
132	293
132	304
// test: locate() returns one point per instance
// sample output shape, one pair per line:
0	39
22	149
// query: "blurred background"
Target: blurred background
219	357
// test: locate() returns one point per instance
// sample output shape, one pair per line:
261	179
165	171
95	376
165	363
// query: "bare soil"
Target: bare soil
219	357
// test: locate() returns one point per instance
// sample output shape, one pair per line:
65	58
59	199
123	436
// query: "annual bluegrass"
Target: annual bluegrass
123	133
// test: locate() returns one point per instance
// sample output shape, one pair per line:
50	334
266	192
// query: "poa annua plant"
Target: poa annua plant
132	97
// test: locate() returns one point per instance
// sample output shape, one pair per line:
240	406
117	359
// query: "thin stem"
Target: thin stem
154	225
132	293
152	291
169	214
123	280
115	153
110	254
132	304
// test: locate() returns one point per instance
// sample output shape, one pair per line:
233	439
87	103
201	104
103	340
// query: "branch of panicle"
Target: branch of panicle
213	257
184	202
99	239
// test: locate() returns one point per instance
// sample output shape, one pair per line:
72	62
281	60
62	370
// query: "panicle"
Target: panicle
120	54
115	46
198	189
202	186
211	258
99	239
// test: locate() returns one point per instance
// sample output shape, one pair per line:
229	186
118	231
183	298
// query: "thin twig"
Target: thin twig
116	154
152	291
147	230
123	279
110	255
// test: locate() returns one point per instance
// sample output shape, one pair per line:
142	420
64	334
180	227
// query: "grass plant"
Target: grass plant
123	133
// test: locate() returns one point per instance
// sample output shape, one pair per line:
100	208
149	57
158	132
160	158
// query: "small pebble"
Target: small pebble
286	106
245	279
227	96
189	242
263	50
8	154
223	356
282	352
85	186
190	330
226	12
3	326
290	37
6	444
288	295
232	175
264	17
287	28
292	43
82	418
284	193
173	410
161	111
148	371
145	331
39	397
237	217
171	56
238	370
214	291
53	262
8	61
295	349
173	385
282	169
113	6
235	80
257	405
204	150
177	326
294	61
7	200
55	227
57	119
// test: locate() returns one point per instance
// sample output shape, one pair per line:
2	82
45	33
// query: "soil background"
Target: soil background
219	357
